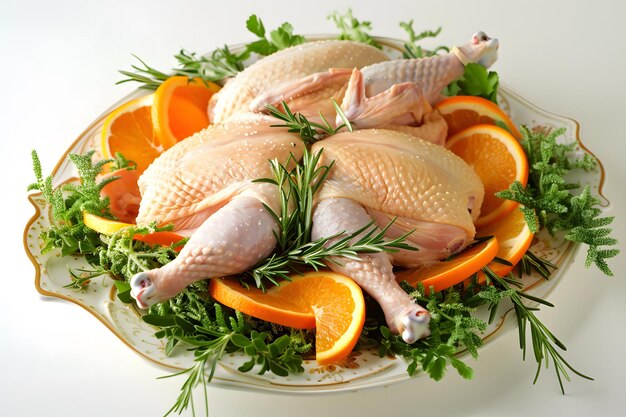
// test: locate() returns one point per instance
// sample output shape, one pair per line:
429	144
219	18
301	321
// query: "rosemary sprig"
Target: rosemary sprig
297	188
310	132
545	344
299	185
220	64
316	254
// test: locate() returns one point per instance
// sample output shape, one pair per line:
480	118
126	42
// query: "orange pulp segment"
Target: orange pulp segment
498	159
180	108
128	130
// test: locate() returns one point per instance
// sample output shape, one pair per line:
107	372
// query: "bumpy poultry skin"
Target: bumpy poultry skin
286	66
204	185
197	176
395	92
379	175
401	175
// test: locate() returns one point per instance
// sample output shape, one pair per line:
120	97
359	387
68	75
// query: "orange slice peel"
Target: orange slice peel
331	303
514	237
461	112
109	227
447	273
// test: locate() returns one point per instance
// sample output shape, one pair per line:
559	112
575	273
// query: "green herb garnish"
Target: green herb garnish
411	48
221	63
452	327
310	132
544	343
548	201
475	81
280	38
350	28
68	202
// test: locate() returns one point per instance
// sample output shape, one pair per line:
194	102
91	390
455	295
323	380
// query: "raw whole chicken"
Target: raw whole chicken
204	184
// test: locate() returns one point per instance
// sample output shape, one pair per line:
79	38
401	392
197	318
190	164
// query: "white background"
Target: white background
58	67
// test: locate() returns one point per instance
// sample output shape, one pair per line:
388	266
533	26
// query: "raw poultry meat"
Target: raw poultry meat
396	92
204	184
422	185
291	64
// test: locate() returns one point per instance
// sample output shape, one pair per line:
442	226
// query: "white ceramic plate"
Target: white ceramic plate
361	369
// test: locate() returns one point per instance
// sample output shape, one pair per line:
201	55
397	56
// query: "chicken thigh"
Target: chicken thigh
204	186
380	175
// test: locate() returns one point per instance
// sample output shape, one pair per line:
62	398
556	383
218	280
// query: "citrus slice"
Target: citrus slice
109	227
498	159
514	238
331	303
128	130
180	108
461	112
445	274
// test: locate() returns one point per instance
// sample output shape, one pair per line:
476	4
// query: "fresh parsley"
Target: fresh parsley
280	38
475	81
353	29
452	328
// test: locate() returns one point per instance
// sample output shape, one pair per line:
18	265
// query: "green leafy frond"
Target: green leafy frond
350	28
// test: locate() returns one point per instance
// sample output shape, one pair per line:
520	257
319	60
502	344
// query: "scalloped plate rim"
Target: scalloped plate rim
231	379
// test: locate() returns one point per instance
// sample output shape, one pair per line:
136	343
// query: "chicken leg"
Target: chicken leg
231	241
373	272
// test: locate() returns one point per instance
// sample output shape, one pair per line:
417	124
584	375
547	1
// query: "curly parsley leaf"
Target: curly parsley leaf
475	81
452	328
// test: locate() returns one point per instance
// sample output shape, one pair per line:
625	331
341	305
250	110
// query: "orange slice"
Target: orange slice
445	274
180	108
109	227
514	238
331	303
461	112
128	130
498	159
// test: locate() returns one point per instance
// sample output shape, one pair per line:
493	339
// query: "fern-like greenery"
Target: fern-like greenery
548	200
